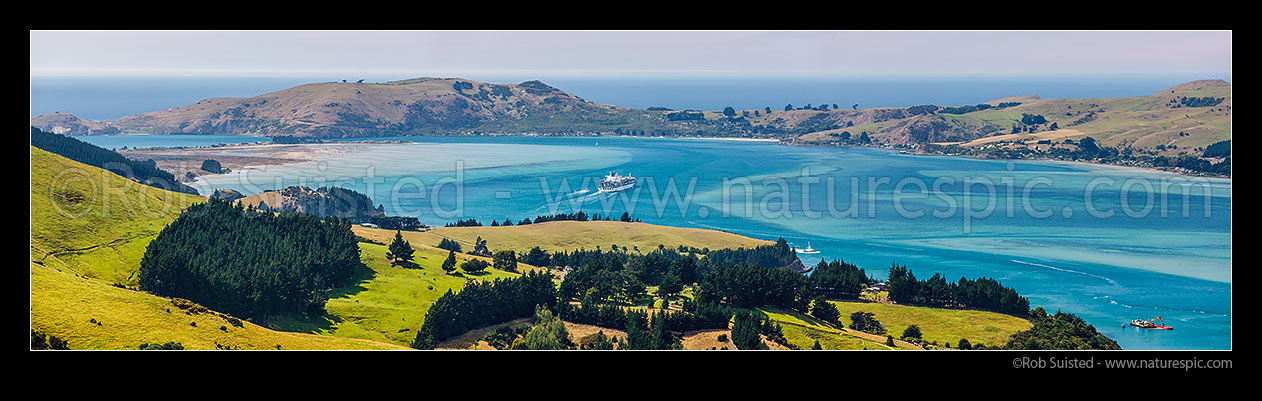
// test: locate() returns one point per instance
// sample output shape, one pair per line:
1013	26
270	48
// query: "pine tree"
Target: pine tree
745	332
816	346
636	337
505	260
825	311
400	250
479	247
449	265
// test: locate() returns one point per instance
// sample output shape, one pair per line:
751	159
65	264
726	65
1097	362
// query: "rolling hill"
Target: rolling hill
94	223
1179	119
421	106
89	230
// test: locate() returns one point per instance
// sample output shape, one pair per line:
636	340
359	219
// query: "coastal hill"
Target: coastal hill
68	124
322	202
1181	120
1176	121
421	106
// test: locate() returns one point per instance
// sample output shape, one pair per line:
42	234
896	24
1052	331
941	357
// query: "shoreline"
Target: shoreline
180	158
700	138
1095	164
1041	159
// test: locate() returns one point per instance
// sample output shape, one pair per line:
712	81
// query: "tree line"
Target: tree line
146	172
694	316
482	304
983	293
576	216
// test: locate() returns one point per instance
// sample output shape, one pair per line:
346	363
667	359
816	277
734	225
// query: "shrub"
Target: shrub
964	344
41	341
188	306
169	345
474	265
911	332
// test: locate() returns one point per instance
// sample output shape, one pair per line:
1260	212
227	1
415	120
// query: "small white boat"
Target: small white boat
808	250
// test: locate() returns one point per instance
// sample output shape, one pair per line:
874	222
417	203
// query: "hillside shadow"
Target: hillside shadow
478	274
315	323
362	276
407	264
307	323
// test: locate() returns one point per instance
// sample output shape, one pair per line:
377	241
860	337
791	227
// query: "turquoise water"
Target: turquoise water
1108	270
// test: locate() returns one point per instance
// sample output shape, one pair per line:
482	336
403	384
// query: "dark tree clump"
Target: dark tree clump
250	263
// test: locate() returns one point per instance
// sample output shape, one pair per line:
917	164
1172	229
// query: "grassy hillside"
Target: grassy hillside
66	306
93	223
940	325
802	331
936	325
571	235
388	303
89	230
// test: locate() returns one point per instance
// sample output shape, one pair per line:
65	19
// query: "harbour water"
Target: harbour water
1039	227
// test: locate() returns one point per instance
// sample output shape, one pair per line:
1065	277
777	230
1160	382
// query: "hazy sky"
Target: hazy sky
632	54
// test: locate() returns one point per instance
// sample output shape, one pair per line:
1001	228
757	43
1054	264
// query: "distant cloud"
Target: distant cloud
613	54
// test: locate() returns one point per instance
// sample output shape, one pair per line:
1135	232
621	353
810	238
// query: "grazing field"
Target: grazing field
802	331
93	223
89	314
89	230
571	235
388	302
940	325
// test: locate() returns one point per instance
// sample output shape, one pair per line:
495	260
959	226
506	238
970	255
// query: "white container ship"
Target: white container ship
615	183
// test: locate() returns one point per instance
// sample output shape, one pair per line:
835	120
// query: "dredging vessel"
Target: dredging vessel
1150	324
